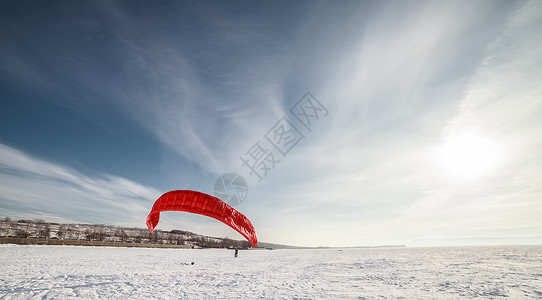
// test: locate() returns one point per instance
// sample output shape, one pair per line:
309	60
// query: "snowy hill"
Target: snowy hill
40	229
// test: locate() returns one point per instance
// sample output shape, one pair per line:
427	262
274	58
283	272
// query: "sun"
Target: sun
468	156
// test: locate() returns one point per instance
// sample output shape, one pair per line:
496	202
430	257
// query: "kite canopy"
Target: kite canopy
202	204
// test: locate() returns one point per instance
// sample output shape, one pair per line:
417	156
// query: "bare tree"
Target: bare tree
61	232
154	236
21	232
227	243
138	238
45	231
124	236
69	233
97	234
88	234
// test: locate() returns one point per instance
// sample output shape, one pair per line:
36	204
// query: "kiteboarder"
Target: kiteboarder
236	252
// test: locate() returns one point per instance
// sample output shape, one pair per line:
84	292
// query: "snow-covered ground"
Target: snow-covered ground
67	272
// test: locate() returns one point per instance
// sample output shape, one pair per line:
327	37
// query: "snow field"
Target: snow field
75	272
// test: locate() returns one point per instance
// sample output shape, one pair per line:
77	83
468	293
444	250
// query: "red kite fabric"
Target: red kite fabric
203	204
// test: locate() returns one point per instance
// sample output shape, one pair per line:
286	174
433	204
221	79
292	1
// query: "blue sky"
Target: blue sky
433	128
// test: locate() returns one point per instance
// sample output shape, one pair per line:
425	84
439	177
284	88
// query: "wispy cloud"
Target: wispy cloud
35	187
199	91
372	172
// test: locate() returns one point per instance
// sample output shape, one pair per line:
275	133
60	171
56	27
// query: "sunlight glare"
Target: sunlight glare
468	156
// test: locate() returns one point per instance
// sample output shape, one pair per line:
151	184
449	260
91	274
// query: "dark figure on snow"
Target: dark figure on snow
236	252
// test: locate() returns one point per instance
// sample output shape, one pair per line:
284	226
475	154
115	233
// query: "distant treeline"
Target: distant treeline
39	229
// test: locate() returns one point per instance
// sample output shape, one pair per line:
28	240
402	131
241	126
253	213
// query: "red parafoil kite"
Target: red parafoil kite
203	204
